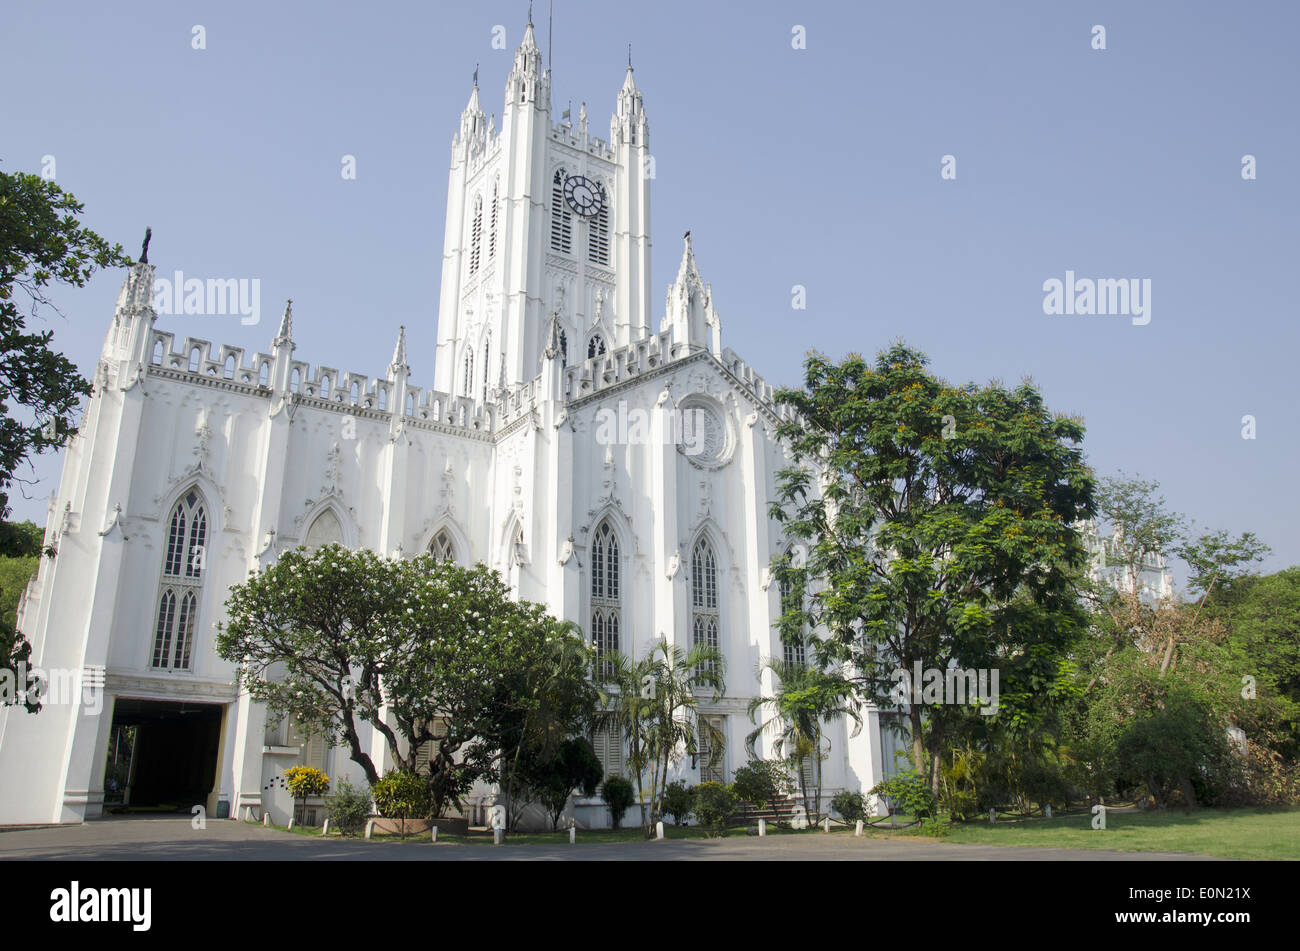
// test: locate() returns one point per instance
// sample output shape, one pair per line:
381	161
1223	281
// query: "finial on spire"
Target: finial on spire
476	74
144	249
629	56
530	14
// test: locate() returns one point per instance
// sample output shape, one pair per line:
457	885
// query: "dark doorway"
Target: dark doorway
162	755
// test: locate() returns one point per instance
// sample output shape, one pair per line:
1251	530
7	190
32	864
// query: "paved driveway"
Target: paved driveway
172	839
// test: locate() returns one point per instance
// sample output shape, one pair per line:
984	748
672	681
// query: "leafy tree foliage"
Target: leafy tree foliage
424	651
654	702
41	240
805	699
572	766
715	804
619	796
939	521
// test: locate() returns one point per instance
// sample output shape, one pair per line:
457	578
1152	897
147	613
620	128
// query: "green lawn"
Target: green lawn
1225	833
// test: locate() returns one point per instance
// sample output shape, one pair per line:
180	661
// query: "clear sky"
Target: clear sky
817	166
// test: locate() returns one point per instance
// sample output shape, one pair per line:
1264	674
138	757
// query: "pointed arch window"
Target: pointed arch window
325	530
561	216
606	595
793	633
595	346
184	563
704	597
487	344
469	370
598	237
492	231
476	236
442	547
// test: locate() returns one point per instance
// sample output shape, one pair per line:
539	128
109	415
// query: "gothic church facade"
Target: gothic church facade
612	463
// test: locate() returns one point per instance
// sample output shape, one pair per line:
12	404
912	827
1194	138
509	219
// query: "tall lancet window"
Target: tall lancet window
704	596
492	228
561	216
606	595
793	634
595	346
184	562
469	371
598	237
476	236
487	344
442	547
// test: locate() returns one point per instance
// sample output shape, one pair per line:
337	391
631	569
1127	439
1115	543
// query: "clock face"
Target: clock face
584	196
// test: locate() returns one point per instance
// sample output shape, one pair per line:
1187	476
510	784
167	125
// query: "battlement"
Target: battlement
564	133
322	386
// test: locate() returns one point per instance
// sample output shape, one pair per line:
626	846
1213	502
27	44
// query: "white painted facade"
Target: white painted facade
504	461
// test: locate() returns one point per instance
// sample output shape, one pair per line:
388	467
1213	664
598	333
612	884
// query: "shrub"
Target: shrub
679	801
619	796
306	781
401	795
714	805
850	805
907	792
348	808
760	781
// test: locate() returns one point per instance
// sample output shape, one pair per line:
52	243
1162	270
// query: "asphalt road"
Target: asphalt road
175	839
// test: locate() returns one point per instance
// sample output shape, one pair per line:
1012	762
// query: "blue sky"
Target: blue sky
818	166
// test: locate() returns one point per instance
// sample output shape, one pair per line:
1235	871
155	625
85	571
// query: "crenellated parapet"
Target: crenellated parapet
196	361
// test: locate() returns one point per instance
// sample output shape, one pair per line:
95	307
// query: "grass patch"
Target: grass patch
1224	833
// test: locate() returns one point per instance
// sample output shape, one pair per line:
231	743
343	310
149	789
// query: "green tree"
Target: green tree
41	241
317	634
572	766
654	703
938	518
804	699
617	793
538	707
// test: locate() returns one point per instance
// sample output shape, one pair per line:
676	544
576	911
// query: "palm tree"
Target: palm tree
805	698
656	707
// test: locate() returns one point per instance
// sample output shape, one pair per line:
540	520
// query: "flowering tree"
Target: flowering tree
418	649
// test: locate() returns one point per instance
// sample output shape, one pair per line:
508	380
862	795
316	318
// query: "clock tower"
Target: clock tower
543	220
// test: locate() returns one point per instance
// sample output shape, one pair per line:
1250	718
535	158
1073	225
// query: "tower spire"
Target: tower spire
399	352
286	324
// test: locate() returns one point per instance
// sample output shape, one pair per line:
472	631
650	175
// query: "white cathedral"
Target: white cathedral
192	467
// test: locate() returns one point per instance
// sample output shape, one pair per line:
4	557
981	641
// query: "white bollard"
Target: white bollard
857	829
573	834
266	818
498	834
893	821
762	828
659	829
993	816
826	824
370	827
435	834
326	829
290	822
1048	809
